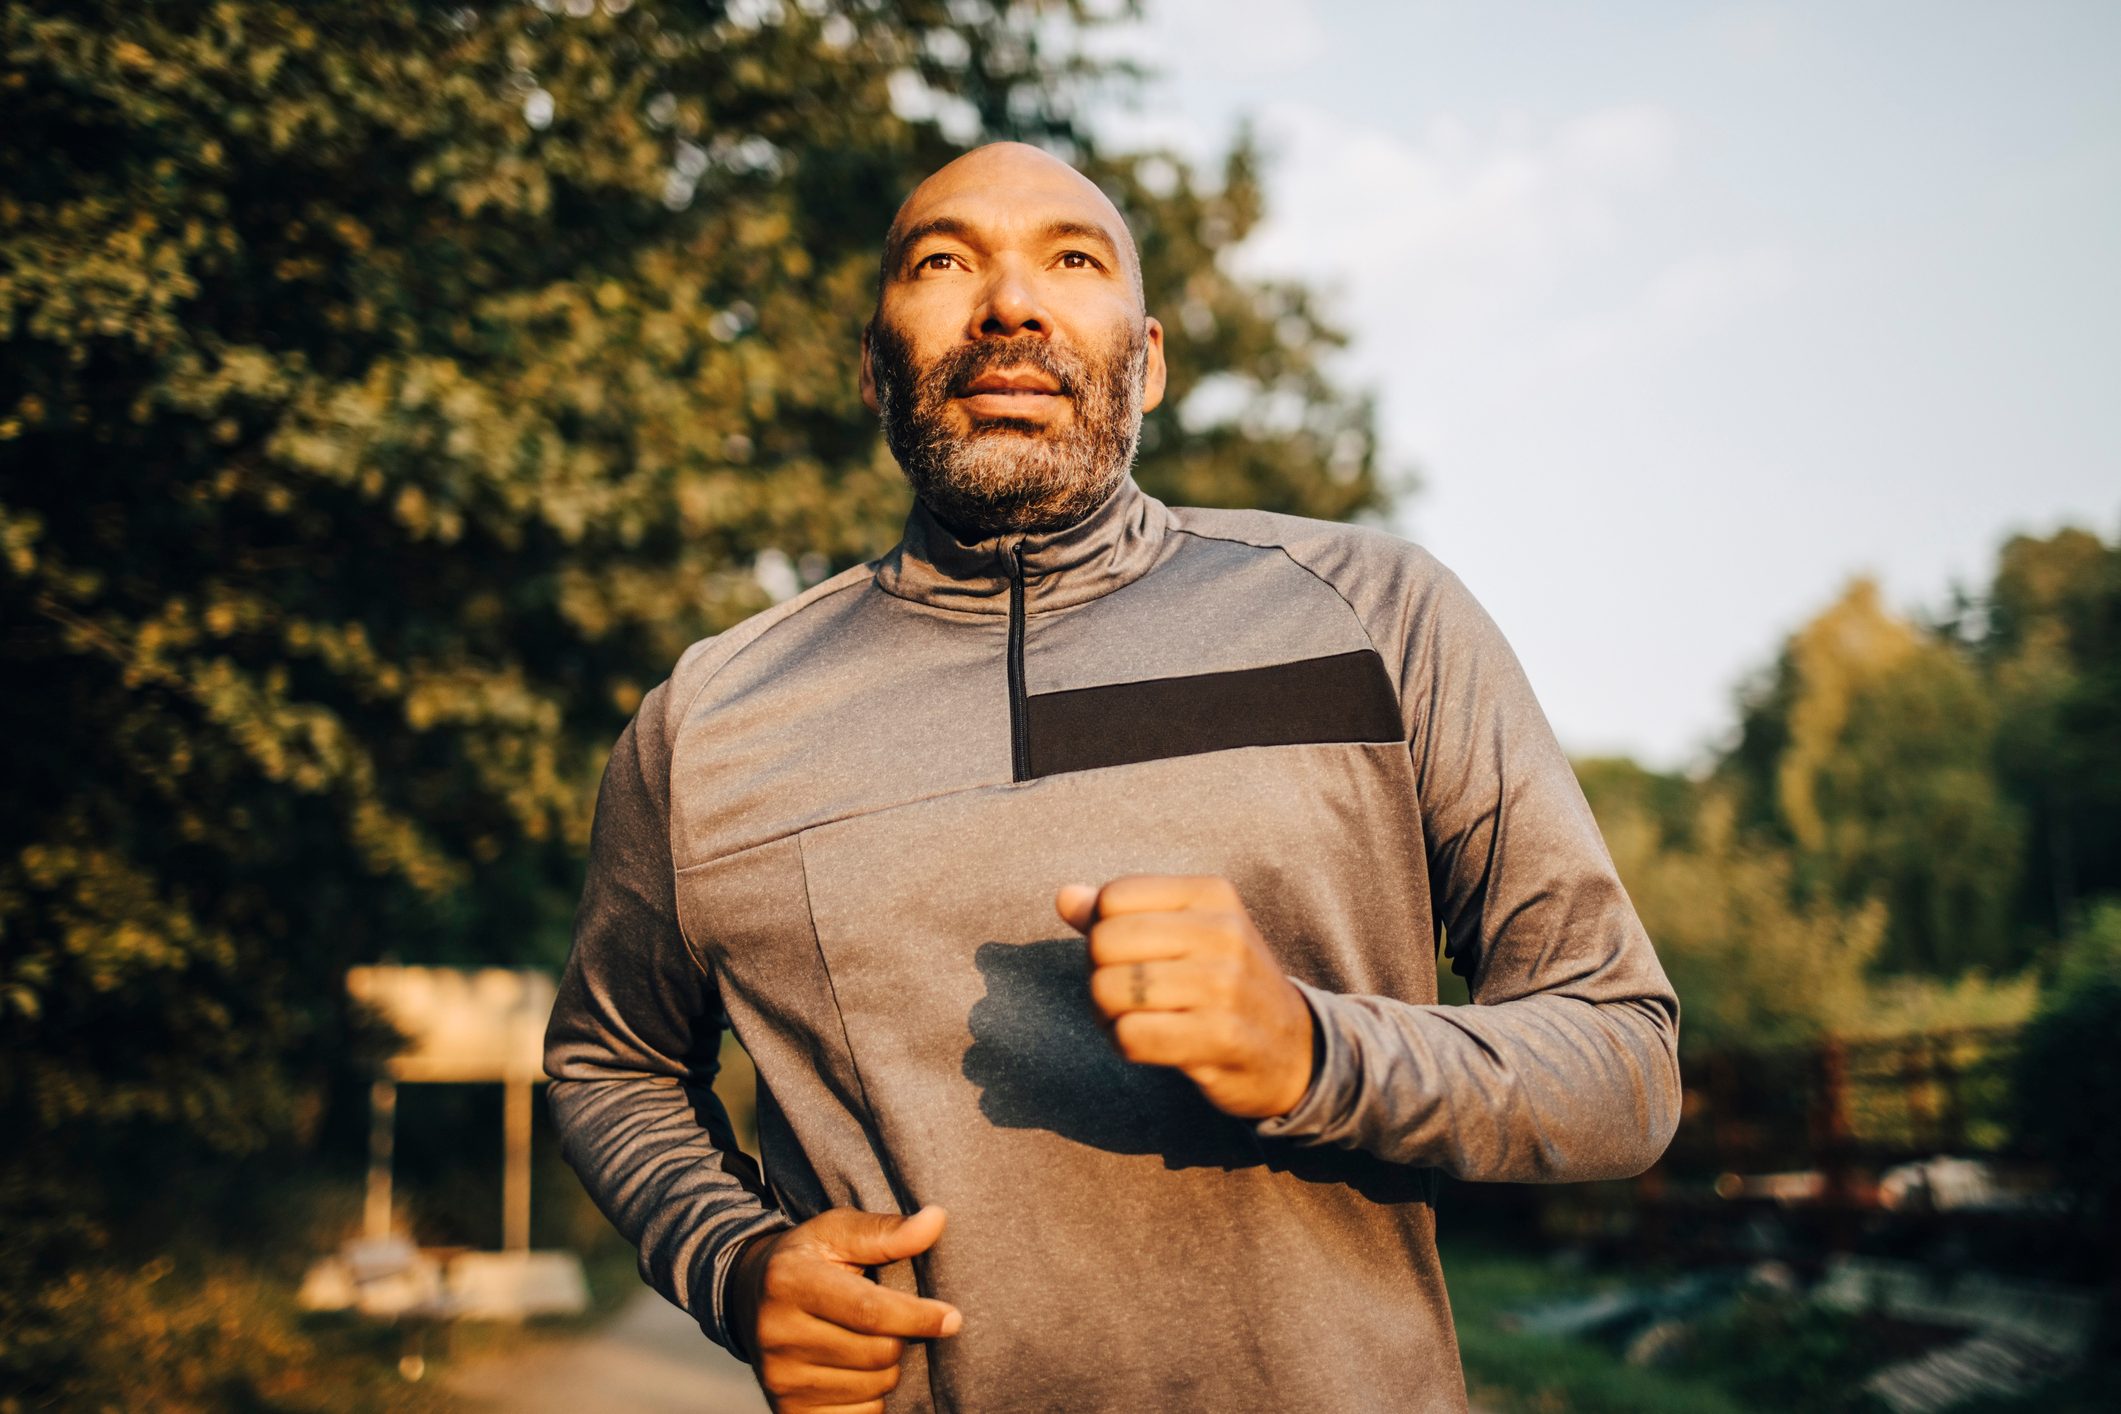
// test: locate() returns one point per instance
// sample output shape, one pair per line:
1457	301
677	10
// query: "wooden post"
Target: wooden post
382	1140
1831	1139
515	1180
1918	1073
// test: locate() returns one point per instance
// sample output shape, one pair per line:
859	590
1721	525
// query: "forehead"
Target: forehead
1003	201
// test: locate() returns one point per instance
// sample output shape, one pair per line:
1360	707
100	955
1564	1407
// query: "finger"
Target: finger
792	1331
874	1239
1167	893
815	1386
1172	1038
1077	906
1147	986
861	1305
1149	937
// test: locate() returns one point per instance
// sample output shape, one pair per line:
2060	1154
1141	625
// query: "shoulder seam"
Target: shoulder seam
771	619
1290	556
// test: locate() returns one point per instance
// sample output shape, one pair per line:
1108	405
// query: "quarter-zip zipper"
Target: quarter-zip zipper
1019	716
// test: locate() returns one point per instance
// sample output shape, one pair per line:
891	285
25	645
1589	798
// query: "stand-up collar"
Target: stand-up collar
1114	545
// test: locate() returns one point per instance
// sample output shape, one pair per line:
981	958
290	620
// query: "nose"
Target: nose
1010	304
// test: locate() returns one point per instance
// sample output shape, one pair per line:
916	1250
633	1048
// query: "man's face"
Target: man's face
1009	357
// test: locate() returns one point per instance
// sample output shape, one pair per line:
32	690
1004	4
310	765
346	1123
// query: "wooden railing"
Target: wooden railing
1846	1101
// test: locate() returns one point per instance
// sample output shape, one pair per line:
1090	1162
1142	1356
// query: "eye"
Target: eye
928	262
1079	260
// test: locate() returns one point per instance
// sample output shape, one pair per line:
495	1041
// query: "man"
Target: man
1074	875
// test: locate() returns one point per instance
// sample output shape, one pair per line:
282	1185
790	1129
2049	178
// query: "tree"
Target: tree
2066	1089
387	395
1871	753
1288	439
1754	965
2048	637
1759	962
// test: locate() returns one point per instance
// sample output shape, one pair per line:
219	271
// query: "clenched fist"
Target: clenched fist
822	1335
1183	979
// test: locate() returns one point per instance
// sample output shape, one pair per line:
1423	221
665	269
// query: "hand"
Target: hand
1183	979
822	1335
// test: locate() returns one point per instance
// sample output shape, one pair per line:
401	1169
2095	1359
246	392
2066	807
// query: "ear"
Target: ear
868	380
1153	367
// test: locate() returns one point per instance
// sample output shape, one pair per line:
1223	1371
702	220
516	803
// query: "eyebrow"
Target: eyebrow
952	226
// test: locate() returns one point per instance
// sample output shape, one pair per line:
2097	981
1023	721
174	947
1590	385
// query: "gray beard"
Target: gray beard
1007	477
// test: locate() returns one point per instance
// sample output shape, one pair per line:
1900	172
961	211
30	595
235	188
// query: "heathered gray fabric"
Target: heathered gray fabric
812	829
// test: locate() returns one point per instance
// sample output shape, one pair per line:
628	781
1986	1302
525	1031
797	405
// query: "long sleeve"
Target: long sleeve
1566	1067
632	1049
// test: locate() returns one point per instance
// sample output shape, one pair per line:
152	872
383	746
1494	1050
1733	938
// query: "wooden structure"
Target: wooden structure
459	1027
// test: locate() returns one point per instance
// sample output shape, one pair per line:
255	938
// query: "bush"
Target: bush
2068	1082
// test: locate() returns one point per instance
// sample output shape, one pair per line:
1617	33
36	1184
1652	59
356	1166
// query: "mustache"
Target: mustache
957	370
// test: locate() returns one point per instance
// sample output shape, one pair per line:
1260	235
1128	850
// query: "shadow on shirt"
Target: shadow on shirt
1042	1061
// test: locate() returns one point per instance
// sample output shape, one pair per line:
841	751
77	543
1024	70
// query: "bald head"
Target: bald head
1002	178
1010	356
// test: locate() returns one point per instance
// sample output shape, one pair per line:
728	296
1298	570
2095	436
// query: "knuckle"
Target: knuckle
1108	992
884	1354
772	1331
1106	937
777	1375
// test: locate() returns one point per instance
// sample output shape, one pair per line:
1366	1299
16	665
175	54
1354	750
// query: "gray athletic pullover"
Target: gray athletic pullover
840	825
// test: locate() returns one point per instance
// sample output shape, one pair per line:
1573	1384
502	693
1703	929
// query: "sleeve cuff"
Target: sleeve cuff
714	1320
1333	1079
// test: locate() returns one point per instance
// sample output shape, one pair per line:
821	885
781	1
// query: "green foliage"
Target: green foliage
1772	1351
1910	821
2049	636
1758	960
1250	416
1510	1370
2068	1082
1872	753
206	1320
1966	776
388	394
1732	934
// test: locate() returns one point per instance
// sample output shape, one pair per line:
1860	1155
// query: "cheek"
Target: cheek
929	318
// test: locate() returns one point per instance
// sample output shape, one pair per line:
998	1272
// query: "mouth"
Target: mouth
1011	385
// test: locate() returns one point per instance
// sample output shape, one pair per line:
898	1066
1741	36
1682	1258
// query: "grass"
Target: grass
1512	1373
1760	1353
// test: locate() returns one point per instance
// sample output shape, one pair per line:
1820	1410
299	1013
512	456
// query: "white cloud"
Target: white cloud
1687	299
1474	262
1454	221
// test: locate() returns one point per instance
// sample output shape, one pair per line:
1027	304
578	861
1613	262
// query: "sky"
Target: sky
1687	313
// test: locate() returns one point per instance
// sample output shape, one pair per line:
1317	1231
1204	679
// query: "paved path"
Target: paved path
648	1359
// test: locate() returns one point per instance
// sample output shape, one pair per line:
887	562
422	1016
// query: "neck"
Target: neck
973	524
956	567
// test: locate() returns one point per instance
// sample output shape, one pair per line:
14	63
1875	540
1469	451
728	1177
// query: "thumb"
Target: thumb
874	1239
1077	906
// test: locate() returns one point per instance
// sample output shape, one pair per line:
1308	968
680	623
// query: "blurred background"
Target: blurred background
389	393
